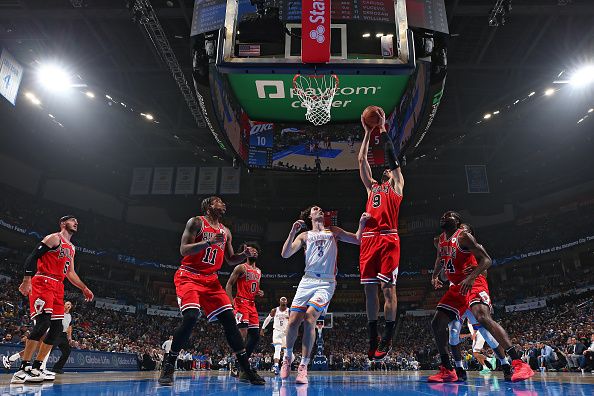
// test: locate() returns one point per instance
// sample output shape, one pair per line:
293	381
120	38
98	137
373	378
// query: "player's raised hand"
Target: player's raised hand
437	284
25	287
89	296
364	217
260	293
366	127
298	225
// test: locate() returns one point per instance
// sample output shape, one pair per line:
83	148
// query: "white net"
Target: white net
316	93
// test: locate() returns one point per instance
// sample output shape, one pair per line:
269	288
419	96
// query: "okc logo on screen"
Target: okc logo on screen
318	34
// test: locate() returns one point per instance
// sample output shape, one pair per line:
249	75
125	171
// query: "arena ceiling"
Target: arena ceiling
487	67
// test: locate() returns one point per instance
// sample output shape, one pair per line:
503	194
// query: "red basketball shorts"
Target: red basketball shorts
454	302
47	296
479	292
246	313
201	291
379	258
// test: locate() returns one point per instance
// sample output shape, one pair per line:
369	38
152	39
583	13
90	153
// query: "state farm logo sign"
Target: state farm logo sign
317	16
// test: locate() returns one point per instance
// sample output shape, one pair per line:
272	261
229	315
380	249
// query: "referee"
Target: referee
64	340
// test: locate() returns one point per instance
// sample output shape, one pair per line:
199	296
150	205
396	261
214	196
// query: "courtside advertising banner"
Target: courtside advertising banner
315	36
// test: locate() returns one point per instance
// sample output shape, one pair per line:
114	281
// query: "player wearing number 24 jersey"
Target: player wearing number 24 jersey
465	262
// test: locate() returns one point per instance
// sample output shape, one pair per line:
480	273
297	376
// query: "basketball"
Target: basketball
372	116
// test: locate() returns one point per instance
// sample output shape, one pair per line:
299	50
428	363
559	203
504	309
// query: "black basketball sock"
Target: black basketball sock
389	331
243	361
511	351
25	364
37	364
445	361
372	332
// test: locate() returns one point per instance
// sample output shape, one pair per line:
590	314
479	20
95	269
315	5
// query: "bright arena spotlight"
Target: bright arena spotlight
54	77
582	76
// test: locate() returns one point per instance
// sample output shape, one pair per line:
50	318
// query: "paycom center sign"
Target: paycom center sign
271	97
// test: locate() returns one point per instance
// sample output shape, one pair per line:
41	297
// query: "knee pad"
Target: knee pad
42	323
277	351
489	339
454	328
54	332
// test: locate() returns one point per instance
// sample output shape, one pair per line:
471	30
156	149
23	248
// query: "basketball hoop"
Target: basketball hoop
316	92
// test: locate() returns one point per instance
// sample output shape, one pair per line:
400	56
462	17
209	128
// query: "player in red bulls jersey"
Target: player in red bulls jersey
464	262
51	261
380	245
247	278
205	243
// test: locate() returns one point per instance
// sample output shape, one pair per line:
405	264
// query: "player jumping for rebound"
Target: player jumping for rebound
51	261
204	244
247	277
318	283
380	245
465	261
280	316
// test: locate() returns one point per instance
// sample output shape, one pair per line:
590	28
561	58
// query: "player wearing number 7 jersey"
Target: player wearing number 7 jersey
204	244
464	262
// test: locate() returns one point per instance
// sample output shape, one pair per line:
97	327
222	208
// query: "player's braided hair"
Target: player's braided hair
456	215
252	244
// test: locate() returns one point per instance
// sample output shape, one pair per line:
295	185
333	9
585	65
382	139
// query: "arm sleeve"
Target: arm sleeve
266	321
31	261
390	152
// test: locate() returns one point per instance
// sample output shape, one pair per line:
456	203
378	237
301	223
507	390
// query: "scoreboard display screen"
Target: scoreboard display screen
351	10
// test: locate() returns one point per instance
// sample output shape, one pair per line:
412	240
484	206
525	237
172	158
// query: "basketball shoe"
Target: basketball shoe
372	348
285	368
522	371
301	375
444	375
167	371
461	373
382	350
252	377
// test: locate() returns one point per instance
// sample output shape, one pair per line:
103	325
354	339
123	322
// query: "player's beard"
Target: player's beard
448	225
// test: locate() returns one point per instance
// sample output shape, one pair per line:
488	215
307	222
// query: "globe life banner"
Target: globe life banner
271	97
82	360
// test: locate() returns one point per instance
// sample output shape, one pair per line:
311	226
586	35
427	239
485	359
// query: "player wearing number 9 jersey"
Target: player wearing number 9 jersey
380	246
204	244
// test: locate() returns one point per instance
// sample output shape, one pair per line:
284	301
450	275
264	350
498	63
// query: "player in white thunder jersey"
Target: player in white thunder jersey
280	318
479	335
318	283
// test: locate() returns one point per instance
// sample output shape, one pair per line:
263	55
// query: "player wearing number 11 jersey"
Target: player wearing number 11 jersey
205	243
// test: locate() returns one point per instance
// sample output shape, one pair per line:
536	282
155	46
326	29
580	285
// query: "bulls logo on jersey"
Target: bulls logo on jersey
39	304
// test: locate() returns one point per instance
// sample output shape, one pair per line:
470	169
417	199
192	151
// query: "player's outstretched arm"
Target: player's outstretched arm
364	168
349	237
267	320
76	281
233	258
237	272
292	244
467	241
